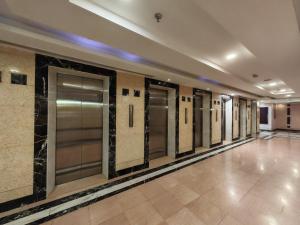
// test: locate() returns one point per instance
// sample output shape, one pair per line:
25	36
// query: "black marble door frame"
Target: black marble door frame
42	62
165	84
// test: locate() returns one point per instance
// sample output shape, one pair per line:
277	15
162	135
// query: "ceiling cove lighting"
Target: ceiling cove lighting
213	65
102	12
231	56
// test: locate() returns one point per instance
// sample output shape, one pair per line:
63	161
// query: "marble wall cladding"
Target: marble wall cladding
16	124
235	119
216	119
281	116
249	112
185	119
129	140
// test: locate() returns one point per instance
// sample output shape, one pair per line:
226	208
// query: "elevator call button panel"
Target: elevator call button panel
18	78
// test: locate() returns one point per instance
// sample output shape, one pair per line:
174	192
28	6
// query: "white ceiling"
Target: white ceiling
263	34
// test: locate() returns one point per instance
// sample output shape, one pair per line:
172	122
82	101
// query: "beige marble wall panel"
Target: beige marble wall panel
216	119
129	141
185	129
236	117
280	111
16	124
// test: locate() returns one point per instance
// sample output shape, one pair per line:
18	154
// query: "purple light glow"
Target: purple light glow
100	47
207	80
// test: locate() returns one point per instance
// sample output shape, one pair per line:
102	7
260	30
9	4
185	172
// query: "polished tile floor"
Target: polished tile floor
254	184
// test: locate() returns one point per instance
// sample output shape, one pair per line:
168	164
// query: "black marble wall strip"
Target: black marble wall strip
57	202
146	121
41	117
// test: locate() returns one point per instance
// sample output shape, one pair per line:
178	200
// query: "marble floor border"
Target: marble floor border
56	208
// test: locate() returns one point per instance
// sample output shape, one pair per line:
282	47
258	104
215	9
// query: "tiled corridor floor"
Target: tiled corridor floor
254	184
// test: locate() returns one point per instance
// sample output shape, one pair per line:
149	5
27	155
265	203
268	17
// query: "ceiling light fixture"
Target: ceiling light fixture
231	56
288	95
272	84
169	79
259	87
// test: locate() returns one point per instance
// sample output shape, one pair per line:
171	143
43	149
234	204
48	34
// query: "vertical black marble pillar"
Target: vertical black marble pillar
41	119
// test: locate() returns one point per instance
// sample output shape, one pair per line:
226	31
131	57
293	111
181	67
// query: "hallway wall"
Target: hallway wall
129	140
16	124
185	127
126	144
216	119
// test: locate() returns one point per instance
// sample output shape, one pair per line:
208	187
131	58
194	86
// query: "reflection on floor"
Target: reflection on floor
255	184
76	186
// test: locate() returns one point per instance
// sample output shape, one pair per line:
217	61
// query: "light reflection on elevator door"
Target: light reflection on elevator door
79	127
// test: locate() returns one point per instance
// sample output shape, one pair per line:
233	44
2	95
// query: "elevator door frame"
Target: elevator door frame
172	122
206	117
52	96
195	125
241	117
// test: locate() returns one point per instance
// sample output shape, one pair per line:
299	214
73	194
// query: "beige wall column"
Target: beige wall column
216	119
129	140
16	124
185	119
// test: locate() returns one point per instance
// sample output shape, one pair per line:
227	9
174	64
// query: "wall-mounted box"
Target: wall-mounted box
136	93
125	92
18	78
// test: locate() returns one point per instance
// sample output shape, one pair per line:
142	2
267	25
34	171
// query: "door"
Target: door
79	127
223	119
158	124
198	121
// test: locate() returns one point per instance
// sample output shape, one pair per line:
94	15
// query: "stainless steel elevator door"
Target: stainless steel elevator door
158	141
79	127
198	121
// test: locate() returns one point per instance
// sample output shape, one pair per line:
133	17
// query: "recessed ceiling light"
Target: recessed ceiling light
232	94
231	56
272	84
169	79
288	95
259	87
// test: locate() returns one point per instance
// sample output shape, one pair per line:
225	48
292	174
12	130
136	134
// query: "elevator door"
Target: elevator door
198	121
78	127
158	134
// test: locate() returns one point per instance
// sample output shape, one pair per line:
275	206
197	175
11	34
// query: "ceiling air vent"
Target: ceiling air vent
297	11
